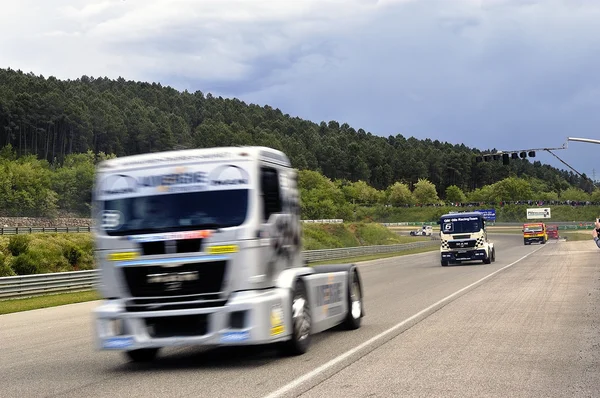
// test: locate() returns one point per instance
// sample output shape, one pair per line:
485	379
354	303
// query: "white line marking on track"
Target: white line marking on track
432	308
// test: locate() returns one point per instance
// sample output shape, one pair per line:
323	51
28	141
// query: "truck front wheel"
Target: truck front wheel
301	322
355	303
488	258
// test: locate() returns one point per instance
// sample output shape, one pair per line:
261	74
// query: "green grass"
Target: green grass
331	236
576	236
59	252
42	253
52	300
377	256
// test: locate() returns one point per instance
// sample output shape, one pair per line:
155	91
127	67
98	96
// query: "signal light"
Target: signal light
496	157
531	154
514	155
505	158
523	155
487	158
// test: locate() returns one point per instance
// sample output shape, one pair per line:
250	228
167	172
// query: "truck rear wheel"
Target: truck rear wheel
142	354
301	322
355	303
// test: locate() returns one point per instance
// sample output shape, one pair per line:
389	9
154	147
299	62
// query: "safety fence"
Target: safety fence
62	282
562	225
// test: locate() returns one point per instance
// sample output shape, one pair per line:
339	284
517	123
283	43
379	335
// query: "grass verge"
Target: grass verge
54	300
576	236
377	256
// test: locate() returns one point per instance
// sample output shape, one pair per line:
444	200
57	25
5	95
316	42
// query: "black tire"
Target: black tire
301	336
355	303
488	258
142	355
444	263
494	255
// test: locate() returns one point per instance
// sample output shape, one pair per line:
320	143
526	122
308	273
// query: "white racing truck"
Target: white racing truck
203	247
464	238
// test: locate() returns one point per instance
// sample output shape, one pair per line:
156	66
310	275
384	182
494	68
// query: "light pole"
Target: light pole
588	140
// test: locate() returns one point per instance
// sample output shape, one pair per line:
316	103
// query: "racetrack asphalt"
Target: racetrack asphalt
525	325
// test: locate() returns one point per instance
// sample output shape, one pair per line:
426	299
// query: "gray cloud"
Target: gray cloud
504	74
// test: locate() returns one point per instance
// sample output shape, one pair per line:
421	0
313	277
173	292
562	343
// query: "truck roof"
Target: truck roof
465	214
198	154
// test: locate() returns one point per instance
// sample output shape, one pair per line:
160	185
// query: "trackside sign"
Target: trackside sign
538	213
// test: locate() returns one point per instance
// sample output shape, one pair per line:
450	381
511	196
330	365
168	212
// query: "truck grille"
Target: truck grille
186	279
175	303
461	244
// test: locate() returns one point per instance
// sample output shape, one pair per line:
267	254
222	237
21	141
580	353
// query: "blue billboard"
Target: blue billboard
488	214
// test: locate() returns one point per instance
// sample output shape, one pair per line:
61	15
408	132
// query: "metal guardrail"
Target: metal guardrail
63	282
39	284
566	225
32	230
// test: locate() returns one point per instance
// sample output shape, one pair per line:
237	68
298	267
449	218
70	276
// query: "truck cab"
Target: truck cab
535	232
203	247
464	238
552	231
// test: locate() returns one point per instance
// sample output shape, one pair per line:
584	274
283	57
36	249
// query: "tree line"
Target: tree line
34	187
52	119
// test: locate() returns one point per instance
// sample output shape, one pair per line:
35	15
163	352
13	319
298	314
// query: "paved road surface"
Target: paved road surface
531	328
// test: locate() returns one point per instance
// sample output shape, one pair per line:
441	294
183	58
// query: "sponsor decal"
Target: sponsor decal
118	184
223	249
111	219
181	179
328	294
228	175
173	280
233	337
173	277
125	256
277	320
160	237
117	343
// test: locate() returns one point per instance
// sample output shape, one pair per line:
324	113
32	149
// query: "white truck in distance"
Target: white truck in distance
464	238
203	247
426	230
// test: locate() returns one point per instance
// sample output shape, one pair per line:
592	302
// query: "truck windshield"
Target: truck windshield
535	228
458	225
174	212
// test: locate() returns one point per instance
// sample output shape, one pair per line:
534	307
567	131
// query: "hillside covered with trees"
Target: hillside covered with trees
51	119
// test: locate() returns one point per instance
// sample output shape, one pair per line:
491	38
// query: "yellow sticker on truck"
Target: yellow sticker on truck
277	320
125	256
223	249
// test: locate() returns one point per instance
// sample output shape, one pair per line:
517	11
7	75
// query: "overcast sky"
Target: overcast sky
504	74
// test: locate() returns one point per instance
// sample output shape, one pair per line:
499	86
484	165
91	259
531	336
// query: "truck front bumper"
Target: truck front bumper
530	239
463	255
252	317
